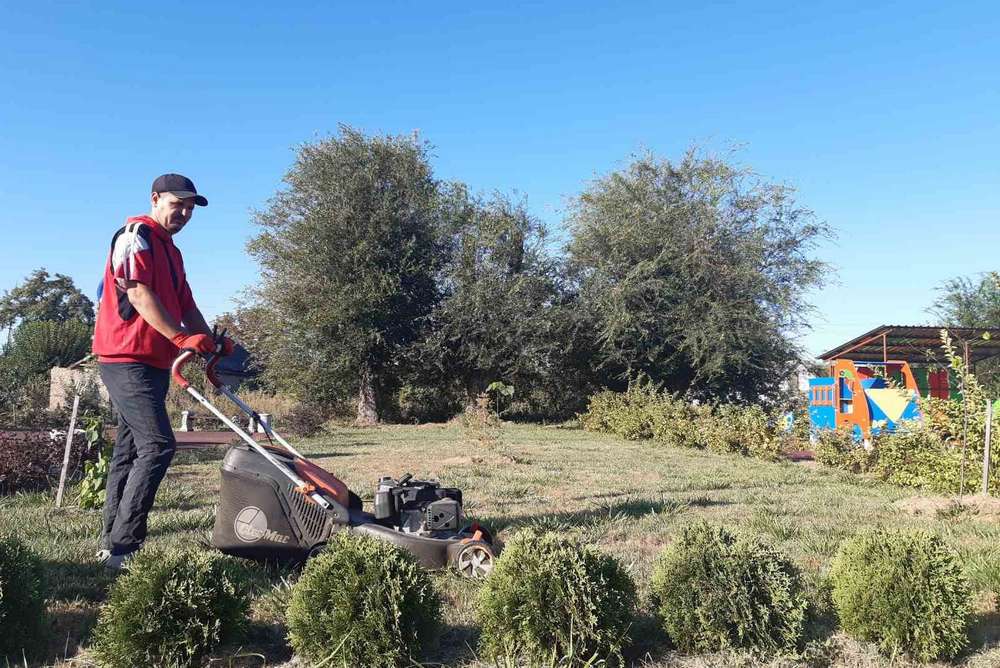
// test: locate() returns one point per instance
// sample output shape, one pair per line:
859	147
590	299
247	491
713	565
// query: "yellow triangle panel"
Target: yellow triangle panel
892	401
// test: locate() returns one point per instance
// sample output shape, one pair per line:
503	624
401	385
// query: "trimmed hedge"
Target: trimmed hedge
171	608
550	600
363	602
716	591
904	590
22	601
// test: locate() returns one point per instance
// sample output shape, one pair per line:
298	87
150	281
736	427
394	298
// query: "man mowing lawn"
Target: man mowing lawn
146	314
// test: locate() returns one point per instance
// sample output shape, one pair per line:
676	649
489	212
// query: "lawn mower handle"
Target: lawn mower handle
177	369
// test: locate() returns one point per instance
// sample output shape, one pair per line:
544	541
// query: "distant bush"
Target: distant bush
838	448
171	608
22	601
716	591
551	601
306	419
904	590
363	602
916	456
643	412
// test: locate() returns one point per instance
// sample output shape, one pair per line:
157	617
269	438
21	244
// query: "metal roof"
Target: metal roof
908	343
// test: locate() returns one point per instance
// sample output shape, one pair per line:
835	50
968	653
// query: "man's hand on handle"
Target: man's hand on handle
202	343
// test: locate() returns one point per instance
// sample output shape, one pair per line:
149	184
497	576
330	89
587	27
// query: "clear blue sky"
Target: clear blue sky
886	117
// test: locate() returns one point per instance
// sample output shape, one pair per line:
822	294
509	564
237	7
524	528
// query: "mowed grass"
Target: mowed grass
628	498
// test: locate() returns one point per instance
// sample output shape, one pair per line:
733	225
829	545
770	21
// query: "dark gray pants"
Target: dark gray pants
143	449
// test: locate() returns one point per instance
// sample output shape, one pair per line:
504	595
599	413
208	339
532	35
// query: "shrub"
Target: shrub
171	608
675	421
839	449
916	456
903	590
550	599
363	602
716	591
745	430
22	601
306	419
31	460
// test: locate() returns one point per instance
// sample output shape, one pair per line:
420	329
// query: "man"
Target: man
146	315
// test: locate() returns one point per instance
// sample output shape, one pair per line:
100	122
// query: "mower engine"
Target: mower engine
418	506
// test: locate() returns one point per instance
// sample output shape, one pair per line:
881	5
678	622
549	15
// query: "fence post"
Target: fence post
185	421
69	447
986	448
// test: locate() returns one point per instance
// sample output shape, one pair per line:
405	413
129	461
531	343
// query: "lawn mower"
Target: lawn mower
277	505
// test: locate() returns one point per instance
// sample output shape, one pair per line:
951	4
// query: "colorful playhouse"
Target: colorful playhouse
875	379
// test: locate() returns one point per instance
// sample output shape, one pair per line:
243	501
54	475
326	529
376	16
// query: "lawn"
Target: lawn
626	497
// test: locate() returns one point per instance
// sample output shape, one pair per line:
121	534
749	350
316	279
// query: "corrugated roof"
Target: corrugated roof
910	343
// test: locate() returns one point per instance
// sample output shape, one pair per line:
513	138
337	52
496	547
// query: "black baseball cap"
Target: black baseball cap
181	186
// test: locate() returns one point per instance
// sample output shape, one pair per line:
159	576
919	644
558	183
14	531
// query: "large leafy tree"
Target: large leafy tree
694	273
349	256
499	286
42	297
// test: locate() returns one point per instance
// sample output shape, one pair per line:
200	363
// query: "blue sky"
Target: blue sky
884	116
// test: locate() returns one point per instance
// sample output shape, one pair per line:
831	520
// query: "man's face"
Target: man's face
172	212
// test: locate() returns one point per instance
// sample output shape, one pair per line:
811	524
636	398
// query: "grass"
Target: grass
626	497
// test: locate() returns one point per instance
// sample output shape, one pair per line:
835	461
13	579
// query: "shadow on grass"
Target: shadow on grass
71	580
457	647
984	631
630	508
72	625
262	644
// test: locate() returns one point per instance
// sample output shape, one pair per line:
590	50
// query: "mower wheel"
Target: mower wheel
474	559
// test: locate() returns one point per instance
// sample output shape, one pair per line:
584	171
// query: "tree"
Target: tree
964	302
694	273
349	254
498	287
41	297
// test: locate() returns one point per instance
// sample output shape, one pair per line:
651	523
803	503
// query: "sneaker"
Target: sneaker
102	556
118	562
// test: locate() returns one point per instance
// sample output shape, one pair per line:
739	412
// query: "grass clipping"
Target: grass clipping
904	590
170	608
363	602
718	591
551	601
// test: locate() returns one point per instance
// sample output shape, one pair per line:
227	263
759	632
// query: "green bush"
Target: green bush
22	601
171	608
551	600
903	590
838	448
916	456
716	591
645	412
363	602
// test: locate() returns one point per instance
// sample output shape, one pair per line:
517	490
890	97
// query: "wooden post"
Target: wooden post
986	448
69	447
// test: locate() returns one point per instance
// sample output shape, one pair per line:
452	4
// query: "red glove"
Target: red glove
202	343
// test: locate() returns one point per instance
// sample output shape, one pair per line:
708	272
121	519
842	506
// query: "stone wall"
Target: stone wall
64	383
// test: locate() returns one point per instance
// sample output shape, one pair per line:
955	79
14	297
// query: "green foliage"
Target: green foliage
965	302
551	600
34	348
22	601
644	412
95	472
716	591
904	590
499	293
171	608
41	298
839	449
695	273
363	602
349	252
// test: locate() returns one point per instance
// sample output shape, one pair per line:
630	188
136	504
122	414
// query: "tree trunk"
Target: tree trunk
367	407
